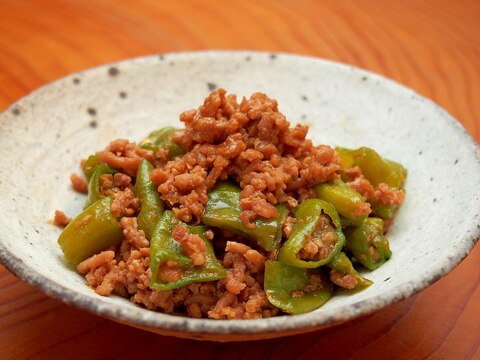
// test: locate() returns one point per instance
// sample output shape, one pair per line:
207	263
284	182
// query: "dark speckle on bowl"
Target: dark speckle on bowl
92	111
248	58
304	98
122	94
364	78
161	57
16	111
273	56
211	86
76	81
113	71
93	124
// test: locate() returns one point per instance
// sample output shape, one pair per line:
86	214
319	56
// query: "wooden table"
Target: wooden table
431	46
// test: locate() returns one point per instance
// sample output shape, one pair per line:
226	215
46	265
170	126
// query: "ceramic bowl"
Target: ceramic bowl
44	135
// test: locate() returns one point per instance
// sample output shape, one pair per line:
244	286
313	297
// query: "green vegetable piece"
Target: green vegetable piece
93	230
376	169
287	287
94	191
164	248
90	165
349	203
151	204
162	139
308	218
383	211
223	211
368	244
343	265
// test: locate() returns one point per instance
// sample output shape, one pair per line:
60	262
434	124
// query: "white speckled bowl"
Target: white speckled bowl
43	136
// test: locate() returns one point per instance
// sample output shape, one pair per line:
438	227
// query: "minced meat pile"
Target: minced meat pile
249	142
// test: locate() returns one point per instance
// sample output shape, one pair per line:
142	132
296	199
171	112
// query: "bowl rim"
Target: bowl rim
144	318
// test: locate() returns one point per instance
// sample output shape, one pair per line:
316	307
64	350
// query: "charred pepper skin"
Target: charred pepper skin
92	231
162	139
151	204
307	216
163	248
368	244
287	287
223	211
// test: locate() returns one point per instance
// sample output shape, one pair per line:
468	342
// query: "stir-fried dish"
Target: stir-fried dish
236	216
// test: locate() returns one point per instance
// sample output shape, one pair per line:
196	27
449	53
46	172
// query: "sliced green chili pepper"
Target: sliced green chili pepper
151	204
349	203
162	139
93	230
309	226
94	191
343	265
376	169
223	211
90	165
164	248
291	289
383	211
368	244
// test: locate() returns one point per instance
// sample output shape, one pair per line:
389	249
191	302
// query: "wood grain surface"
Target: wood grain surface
430	46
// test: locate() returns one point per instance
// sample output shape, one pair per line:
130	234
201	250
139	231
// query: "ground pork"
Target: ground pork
125	271
320	243
347	281
382	194
250	142
124	155
124	203
78	183
192	244
60	219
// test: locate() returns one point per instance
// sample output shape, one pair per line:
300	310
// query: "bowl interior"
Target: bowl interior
44	136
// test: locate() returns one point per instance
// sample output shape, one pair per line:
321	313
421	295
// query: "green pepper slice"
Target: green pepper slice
343	265
375	168
94	191
93	230
288	288
89	166
164	248
349	203
162	139
151	204
223	211
368	244
307	220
